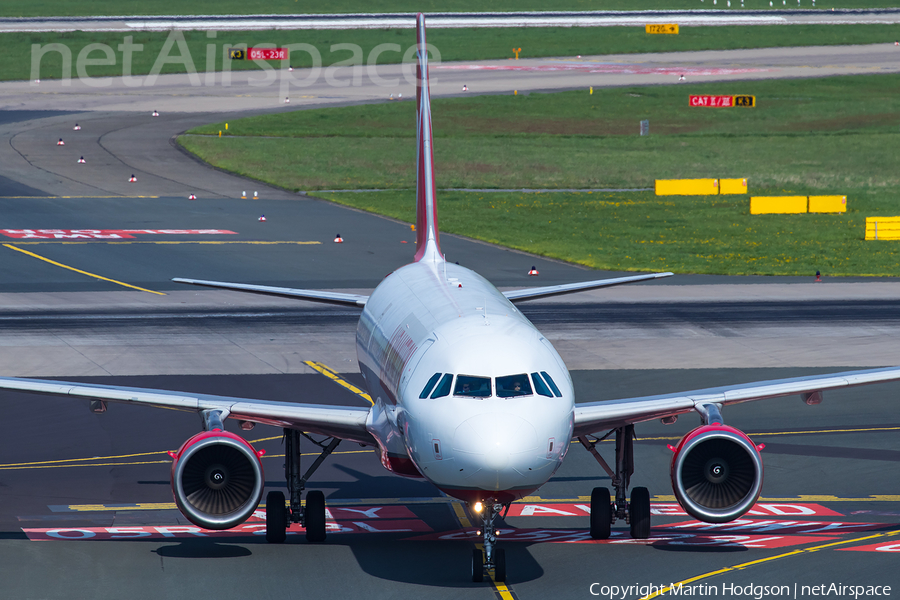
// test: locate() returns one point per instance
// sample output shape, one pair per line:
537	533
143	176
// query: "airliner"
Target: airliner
468	395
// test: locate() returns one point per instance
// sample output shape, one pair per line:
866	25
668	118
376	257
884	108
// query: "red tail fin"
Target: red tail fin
427	238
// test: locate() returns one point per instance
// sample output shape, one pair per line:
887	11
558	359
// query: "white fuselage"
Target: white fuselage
473	434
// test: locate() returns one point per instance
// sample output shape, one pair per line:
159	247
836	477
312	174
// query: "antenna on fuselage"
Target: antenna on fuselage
427	238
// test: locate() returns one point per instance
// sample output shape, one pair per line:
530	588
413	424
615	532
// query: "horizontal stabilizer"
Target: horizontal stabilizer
570	288
310	295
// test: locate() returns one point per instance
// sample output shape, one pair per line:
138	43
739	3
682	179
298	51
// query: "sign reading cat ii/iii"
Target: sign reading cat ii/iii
662	28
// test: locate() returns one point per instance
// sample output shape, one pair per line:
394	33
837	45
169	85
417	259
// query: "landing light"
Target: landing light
478	507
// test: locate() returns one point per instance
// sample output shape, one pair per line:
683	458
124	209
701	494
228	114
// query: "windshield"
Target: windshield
468	385
513	385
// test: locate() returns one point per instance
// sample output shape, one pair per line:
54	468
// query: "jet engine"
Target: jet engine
217	479
716	473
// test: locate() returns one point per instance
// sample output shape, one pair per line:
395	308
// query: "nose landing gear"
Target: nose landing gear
492	557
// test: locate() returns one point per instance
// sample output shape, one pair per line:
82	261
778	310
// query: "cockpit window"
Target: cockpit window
443	388
476	387
427	389
540	387
513	385
552	385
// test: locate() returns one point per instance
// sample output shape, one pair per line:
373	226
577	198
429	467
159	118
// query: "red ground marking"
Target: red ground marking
102	234
757	526
886	547
151	532
553	509
657	538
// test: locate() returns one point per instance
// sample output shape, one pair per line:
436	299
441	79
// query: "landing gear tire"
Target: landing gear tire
639	513
500	565
314	517
601	514
477	565
276	518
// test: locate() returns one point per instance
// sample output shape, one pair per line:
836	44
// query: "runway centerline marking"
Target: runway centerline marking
58	264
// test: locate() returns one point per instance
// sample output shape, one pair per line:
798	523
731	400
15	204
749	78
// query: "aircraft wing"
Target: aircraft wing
344	422
568	288
593	417
311	295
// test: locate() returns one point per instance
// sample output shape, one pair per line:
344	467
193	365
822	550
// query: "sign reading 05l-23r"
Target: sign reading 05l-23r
258	54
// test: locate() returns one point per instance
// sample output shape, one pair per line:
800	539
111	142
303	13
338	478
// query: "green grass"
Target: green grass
820	134
453	44
638	231
20	8
836	135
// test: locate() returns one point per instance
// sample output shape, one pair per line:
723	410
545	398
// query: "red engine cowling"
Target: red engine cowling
716	473
217	479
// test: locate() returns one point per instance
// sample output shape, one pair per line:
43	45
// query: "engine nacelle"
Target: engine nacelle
217	479
717	473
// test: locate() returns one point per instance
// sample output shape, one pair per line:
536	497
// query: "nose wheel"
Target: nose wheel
492	557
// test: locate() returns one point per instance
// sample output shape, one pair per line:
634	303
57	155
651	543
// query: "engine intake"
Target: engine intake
716	473
217	480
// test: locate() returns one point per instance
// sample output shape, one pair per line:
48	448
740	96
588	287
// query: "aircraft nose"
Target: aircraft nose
499	444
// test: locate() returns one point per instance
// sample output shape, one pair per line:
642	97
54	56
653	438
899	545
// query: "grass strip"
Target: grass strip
453	45
638	231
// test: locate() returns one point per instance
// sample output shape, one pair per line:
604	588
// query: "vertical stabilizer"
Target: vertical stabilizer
428	244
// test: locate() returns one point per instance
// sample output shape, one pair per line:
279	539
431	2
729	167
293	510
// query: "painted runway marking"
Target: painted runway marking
103	234
564	509
658	537
166	242
53	262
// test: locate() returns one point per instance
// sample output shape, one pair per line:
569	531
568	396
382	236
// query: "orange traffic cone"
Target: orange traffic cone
77	127
132	179
60	142
338	239
287	100
533	271
192	197
81	161
465	88
155	114
262	218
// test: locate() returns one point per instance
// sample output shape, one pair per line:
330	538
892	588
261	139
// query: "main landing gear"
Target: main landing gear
312	516
604	512
492	557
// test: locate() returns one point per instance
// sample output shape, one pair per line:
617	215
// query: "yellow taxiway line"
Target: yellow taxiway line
332	375
53	262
